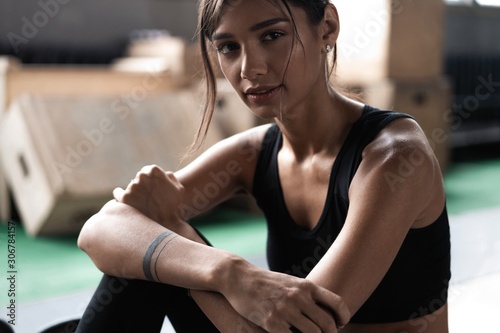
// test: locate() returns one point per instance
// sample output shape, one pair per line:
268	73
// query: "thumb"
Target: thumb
118	194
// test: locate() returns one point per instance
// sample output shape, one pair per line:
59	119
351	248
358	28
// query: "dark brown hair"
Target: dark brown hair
209	12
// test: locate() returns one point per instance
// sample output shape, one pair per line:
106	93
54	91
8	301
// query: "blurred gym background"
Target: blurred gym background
90	91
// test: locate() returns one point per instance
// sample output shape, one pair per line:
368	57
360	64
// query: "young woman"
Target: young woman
357	240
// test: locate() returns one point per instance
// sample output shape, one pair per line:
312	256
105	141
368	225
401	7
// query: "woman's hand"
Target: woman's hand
156	194
276	302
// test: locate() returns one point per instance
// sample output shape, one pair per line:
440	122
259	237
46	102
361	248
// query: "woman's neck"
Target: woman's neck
319	125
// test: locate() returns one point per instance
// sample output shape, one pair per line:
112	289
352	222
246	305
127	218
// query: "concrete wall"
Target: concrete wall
472	30
177	16
97	22
90	22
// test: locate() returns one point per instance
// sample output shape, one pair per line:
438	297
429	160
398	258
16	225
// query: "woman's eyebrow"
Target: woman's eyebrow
253	28
268	23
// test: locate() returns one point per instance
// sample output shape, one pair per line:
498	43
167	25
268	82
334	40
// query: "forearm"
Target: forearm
118	238
121	242
215	306
129	238
222	314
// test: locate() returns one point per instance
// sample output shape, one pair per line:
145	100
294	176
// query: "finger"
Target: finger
157	171
171	176
118	194
313	320
301	323
321	317
148	169
151	172
334	303
144	171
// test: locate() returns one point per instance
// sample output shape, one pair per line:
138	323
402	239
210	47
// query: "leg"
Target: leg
121	305
6	328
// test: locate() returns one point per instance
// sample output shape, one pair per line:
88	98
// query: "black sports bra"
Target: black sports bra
417	281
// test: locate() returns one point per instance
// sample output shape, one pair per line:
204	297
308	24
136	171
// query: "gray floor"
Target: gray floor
474	295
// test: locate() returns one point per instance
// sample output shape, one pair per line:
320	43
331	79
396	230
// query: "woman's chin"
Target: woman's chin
265	113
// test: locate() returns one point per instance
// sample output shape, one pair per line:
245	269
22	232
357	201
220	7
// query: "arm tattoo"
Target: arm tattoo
148	256
158	256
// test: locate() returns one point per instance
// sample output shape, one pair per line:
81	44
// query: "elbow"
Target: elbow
92	231
89	242
97	239
86	236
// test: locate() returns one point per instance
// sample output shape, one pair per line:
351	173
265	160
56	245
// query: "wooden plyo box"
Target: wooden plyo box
429	102
180	58
63	156
17	79
399	39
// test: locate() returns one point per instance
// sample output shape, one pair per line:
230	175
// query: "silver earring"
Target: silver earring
328	49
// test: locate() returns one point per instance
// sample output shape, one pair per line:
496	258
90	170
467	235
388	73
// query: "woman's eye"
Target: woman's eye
273	35
227	48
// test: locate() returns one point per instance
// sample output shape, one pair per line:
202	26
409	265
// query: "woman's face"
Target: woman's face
261	57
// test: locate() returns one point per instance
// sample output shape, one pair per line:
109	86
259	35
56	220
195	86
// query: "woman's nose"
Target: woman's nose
253	64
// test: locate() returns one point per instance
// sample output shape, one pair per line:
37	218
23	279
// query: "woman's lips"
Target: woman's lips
263	96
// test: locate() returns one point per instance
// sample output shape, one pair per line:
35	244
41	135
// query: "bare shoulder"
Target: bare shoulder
243	147
402	139
401	163
250	138
236	155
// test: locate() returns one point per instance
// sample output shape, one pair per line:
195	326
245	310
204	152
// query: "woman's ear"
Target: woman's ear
330	25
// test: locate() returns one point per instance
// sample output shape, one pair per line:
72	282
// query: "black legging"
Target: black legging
134	306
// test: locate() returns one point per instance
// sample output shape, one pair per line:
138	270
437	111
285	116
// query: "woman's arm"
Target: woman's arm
122	241
381	212
125	260
137	247
221	172
118	238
